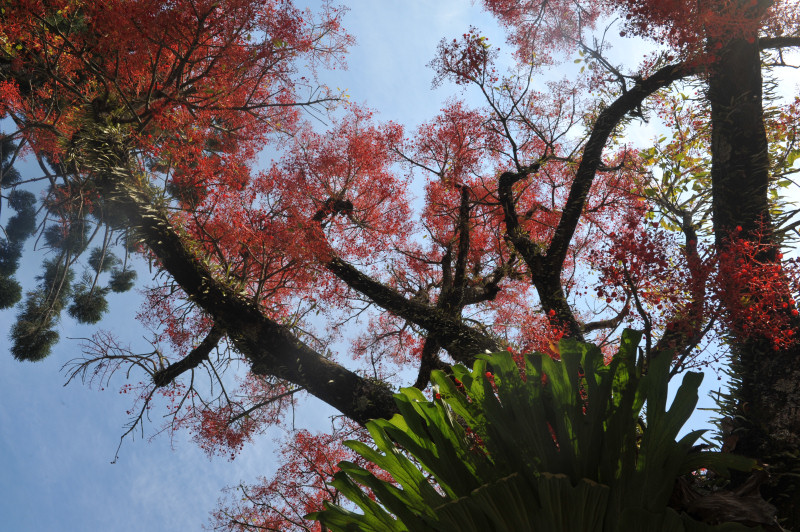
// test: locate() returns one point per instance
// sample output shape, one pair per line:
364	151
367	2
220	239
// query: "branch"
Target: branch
771	43
429	361
685	331
546	277
530	252
197	356
461	341
271	348
609	323
442	322
484	290
262	404
545	267
591	160
452	296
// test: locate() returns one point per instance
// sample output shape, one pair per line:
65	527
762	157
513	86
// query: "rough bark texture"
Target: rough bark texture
461	341
271	347
768	396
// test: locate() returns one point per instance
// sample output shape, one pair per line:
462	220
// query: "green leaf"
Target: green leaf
560	446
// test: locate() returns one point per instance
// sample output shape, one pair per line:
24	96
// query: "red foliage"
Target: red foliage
225	429
688	25
696	30
185	71
538	27
465	60
198	88
298	487
759	293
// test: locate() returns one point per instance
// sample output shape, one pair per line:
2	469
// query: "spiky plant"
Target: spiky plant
557	445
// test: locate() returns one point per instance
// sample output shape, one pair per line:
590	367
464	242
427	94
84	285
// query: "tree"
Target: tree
537	222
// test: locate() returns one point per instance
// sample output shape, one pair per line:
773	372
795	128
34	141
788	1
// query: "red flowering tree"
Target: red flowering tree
537	221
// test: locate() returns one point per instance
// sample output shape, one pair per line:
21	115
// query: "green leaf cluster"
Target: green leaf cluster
33	335
562	448
19	227
67	232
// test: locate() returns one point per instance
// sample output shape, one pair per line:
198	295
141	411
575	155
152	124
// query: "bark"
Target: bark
546	265
461	341
197	356
767	384
740	163
270	347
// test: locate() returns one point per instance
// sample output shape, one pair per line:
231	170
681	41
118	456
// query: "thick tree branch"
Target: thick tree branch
610	322
442	322
452	296
591	159
461	341
771	43
546	266
545	277
487	288
271	347
429	361
197	356
463	250
530	252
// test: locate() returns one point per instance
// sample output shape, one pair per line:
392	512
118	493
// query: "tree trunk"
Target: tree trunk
765	398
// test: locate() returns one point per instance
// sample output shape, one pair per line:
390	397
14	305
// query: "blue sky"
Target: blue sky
56	442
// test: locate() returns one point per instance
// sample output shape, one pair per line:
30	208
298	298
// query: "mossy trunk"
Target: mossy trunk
766	389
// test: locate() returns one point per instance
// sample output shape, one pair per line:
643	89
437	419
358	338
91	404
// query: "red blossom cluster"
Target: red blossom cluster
216	431
655	282
539	27
466	60
224	429
759	292
476	443
637	263
689	25
298	487
542	335
388	342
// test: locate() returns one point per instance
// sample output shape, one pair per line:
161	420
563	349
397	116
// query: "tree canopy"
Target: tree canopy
507	224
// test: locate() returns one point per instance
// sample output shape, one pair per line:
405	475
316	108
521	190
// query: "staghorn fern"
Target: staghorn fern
561	449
